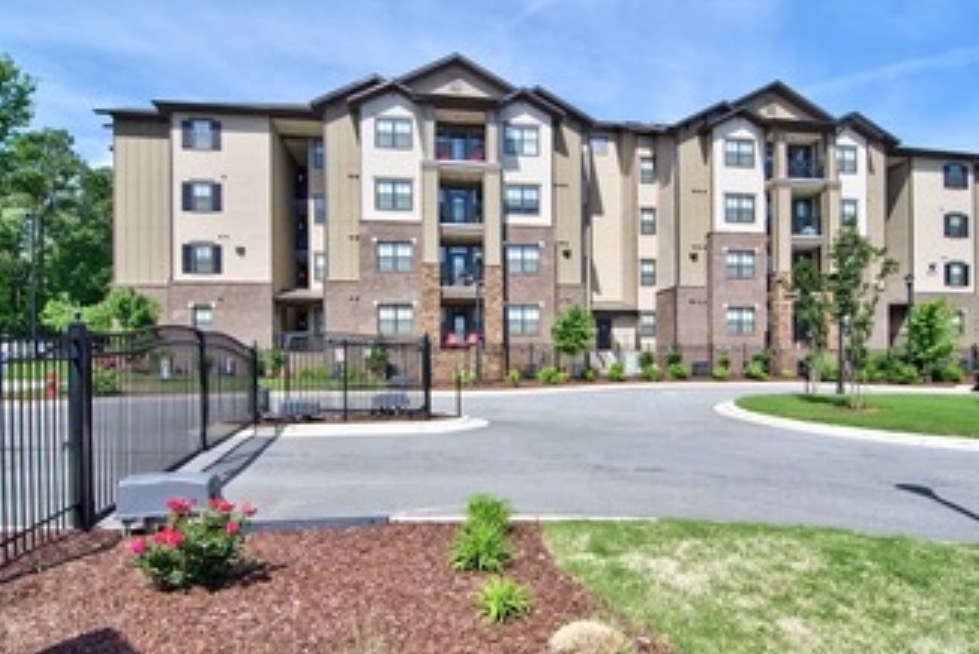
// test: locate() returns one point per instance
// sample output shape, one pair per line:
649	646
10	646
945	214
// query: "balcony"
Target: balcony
460	206
811	226
805	168
460	145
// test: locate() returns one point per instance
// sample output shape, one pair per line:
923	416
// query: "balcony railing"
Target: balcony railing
468	276
471	147
801	168
454	339
457	213
807	227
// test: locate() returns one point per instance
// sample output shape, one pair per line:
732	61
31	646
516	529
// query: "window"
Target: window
647	272
318	154
523	320
522	199
739	208
849	212
201	197
740	264
395	319
201	134
956	274
521	140
956	176
647	221
647	170
740	320
522	259
319	209
394	133
202	316
956	225
599	146
958	323
647	323
202	258
846	159
319	267
393	195
739	153
394	256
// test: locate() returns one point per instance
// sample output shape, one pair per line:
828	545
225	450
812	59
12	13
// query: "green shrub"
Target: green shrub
763	359
828	370
756	370
589	374
616	371
645	359
951	372
651	373
465	377
500	599
724	360
673	357
513	377
720	373
677	371
551	375
481	546
488	510
313	373
272	362
106	382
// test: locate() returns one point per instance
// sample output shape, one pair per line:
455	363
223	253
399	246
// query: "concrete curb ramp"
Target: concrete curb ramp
731	410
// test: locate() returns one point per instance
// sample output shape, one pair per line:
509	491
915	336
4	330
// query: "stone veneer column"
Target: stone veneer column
781	324
493	323
429	312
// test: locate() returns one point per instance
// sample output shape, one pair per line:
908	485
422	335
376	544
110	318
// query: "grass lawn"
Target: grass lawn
947	415
749	589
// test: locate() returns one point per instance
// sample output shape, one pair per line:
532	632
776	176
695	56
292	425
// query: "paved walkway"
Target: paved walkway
644	451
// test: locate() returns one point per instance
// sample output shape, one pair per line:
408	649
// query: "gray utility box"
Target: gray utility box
144	497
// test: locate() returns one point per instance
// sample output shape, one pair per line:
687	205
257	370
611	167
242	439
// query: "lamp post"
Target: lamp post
909	284
840	359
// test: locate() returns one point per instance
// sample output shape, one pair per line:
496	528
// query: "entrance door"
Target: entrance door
604	333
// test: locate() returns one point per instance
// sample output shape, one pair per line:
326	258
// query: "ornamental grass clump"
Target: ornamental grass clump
500	599
195	548
481	542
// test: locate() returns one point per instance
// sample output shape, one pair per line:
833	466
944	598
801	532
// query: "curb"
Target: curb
907	439
528	518
394	428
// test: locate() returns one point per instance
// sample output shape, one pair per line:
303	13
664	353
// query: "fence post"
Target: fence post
427	374
80	424
346	374
253	384
202	373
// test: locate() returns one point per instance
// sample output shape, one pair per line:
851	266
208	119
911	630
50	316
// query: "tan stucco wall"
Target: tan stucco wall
930	202
694	209
142	202
343	179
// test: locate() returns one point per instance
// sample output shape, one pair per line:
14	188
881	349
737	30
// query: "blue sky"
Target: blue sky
910	65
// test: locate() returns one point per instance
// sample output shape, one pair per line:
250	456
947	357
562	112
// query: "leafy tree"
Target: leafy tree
16	88
812	310
573	330
931	336
124	309
856	283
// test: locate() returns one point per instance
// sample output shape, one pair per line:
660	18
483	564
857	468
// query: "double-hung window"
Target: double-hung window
392	133
739	208
523	259
647	272
523	320
740	320
740	264
394	256
202	316
201	134
521	140
522	199
739	153
202	258
849	212
201	196
647	323
846	159
395	319
393	195
956	225
956	274
647	221
647	170
956	176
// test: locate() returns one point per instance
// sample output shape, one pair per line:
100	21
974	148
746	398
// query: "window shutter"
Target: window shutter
187	139
216	254
215	134
188	256
948	274
965	275
215	197
187	189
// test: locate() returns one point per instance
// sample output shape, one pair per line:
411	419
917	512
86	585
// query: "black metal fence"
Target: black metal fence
80	411
349	375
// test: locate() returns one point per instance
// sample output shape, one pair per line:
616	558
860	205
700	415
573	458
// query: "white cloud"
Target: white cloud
899	70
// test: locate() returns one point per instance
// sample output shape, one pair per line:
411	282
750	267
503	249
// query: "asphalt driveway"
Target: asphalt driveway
632	451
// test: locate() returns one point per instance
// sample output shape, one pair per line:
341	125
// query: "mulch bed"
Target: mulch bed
322	590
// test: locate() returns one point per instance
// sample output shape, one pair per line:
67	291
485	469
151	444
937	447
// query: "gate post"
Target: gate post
80	425
427	374
202	372
346	375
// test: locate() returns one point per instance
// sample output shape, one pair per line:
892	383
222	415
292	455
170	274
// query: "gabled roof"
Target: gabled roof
936	154
722	107
567	107
365	94
782	89
348	89
739	112
455	59
275	110
535	99
867	127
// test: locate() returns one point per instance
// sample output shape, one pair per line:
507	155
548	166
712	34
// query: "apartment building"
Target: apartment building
450	202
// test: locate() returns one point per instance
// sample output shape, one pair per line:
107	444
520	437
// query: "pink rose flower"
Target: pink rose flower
248	509
232	528
180	506
138	546
221	505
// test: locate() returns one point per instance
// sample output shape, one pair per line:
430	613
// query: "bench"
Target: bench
143	498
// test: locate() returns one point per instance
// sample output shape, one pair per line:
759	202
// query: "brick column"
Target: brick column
431	295
493	317
781	324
